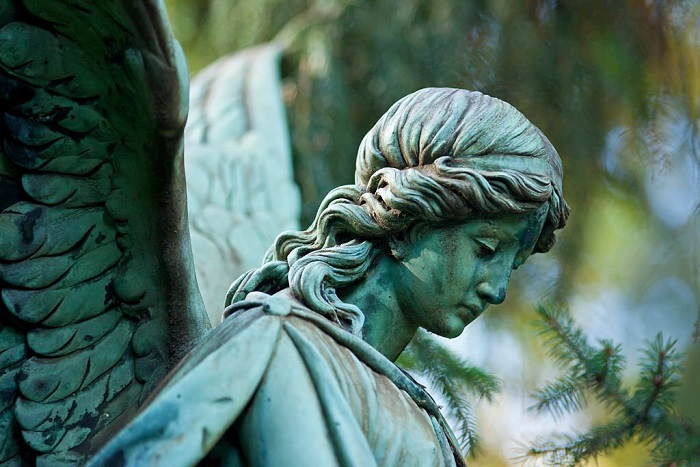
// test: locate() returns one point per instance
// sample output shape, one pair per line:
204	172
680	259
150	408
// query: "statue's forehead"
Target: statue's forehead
521	228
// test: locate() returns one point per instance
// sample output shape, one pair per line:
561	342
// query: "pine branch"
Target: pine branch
564	339
659	376
679	446
566	394
571	450
461	411
429	358
454	379
647	414
595	369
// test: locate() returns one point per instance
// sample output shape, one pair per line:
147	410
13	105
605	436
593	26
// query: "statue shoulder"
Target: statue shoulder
207	392
201	397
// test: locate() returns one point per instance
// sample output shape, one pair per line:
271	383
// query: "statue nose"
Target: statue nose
495	295
494	284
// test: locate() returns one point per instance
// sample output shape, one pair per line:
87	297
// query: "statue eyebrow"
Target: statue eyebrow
488	228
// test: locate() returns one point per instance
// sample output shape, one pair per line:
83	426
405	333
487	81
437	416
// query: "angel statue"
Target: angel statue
106	352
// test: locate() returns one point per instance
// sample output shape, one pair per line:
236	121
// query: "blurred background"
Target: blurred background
614	84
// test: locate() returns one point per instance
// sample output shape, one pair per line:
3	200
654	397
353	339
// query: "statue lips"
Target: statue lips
469	312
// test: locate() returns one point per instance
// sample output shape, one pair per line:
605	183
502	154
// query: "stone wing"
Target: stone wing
240	187
96	275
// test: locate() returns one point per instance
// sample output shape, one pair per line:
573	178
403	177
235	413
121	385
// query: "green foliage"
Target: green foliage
644	413
455	381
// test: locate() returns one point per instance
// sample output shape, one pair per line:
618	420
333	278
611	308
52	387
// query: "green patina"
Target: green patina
453	190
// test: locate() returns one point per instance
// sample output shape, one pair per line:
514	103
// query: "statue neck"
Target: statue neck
386	328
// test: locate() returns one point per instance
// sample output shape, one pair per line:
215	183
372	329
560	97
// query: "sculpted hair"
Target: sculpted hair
437	156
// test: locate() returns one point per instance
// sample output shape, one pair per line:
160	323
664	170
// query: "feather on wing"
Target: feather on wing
241	187
97	283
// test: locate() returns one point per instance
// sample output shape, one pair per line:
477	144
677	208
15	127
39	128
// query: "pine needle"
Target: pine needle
647	414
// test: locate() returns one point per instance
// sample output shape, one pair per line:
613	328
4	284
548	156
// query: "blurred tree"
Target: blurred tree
615	85
576	69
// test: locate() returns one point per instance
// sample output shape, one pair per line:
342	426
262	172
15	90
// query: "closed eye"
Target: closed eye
485	248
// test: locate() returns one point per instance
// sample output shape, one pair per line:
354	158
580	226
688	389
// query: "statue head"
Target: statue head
438	157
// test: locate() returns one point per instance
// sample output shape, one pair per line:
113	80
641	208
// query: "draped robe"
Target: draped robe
278	384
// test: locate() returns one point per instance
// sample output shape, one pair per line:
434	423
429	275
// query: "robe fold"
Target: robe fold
278	384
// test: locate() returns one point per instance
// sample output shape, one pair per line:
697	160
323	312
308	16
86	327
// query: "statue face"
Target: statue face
450	275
